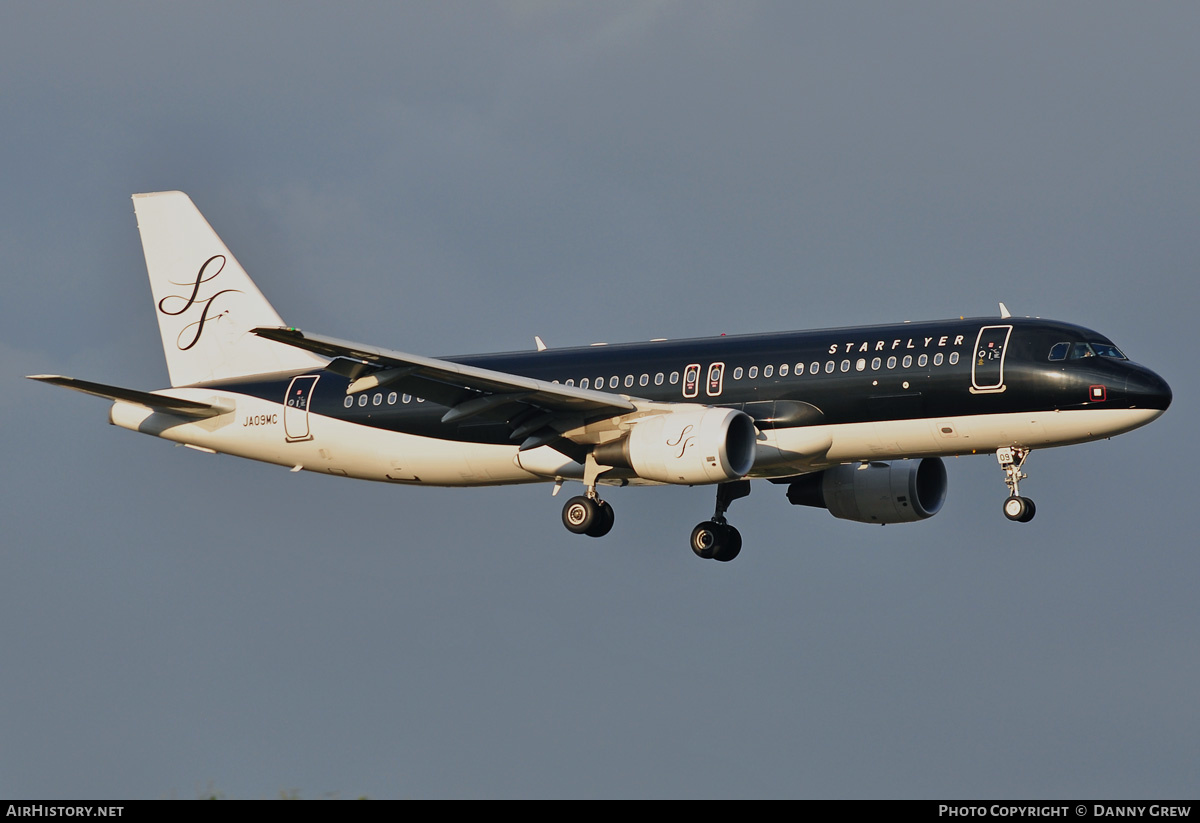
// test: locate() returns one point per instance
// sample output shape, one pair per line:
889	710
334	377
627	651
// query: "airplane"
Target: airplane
853	420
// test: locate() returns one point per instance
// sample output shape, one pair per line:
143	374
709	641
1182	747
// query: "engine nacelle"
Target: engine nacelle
901	492
690	446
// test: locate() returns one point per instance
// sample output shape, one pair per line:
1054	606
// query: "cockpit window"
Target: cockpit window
1078	351
1108	350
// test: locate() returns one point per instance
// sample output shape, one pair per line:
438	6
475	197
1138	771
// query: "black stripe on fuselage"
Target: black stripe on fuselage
856	390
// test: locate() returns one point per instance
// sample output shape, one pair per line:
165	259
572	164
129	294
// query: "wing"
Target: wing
157	402
540	412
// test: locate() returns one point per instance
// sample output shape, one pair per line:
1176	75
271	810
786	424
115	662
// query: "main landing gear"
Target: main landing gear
715	539
588	514
712	540
1016	508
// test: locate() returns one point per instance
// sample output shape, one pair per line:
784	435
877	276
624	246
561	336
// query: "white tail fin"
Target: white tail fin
205	302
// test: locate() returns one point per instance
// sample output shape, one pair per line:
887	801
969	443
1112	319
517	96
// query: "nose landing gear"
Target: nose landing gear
1016	508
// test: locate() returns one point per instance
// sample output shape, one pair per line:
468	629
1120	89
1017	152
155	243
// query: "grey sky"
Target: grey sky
450	178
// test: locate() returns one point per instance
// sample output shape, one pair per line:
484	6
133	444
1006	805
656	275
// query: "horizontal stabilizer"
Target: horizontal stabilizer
157	402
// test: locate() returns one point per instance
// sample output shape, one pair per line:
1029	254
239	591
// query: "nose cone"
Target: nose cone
1146	390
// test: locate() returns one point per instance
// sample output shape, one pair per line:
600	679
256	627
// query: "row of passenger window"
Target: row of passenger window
784	369
377	399
751	373
614	382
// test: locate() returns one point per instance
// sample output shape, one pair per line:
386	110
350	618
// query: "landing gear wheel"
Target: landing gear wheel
605	518
580	514
705	539
1019	509
731	545
716	541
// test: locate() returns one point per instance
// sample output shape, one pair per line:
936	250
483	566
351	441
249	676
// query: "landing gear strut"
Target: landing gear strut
1016	508
715	539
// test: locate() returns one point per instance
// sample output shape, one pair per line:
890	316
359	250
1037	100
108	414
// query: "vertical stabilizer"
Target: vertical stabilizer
205	302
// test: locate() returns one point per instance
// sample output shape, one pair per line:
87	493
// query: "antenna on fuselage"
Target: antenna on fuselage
1004	312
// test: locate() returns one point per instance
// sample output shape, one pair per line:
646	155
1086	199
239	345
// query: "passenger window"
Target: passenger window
845	365
406	398
923	360
829	367
628	380
783	370
953	358
392	399
658	379
1059	351
614	381
892	362
584	383
799	368
570	381
753	373
907	360
349	401
876	363
937	359
644	380
362	400
674	377
737	373
860	364
768	371
814	368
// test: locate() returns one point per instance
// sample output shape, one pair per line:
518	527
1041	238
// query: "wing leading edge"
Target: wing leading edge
550	409
458	378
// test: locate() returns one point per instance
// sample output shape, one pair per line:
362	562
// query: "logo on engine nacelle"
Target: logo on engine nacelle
681	441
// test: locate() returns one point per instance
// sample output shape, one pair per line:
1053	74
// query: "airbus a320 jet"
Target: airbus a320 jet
854	420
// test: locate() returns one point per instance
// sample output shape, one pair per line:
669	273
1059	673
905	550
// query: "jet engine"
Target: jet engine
689	446
899	492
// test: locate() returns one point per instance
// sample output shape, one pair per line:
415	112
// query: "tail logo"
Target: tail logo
189	335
